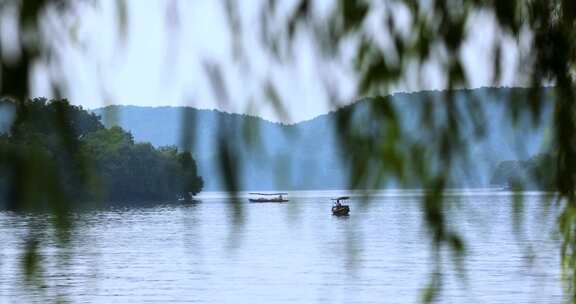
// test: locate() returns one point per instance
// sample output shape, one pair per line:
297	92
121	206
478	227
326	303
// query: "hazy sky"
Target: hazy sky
169	44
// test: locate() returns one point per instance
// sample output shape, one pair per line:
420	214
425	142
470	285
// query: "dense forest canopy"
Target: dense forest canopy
535	173
94	163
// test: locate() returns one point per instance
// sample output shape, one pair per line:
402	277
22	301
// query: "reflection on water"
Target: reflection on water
293	253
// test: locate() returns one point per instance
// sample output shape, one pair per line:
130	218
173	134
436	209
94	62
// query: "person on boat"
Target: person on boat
338	205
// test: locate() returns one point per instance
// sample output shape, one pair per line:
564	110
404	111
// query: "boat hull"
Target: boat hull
261	200
341	211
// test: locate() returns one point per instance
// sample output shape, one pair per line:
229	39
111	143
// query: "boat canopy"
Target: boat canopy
255	193
341	198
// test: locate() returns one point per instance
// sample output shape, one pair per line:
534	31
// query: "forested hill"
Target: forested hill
308	155
91	163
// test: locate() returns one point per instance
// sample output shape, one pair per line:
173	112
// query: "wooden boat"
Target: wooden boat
187	198
338	209
269	198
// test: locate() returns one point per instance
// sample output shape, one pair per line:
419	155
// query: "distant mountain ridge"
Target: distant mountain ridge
307	155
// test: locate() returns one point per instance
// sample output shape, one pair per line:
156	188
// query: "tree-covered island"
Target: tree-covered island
536	173
92	163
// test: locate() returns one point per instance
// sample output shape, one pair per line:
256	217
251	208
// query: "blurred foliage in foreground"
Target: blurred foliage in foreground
56	153
391	42
396	43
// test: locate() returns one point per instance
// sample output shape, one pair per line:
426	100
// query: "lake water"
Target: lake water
289	253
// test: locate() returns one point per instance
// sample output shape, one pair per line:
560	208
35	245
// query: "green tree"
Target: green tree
137	171
104	164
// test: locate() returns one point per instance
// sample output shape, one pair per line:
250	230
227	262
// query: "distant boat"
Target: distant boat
338	209
189	198
269	198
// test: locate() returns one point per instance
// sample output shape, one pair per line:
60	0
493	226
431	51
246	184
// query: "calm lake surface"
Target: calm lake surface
289	253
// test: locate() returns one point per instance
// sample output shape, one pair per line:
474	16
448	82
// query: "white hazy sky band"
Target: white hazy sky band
162	61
